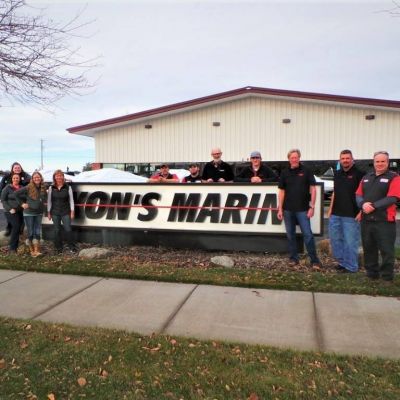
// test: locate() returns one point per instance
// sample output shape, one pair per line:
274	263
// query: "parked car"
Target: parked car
328	186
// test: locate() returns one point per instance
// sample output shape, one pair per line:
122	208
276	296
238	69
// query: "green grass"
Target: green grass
38	359
317	281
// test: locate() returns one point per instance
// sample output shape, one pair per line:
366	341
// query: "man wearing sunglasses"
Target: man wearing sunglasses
217	170
257	172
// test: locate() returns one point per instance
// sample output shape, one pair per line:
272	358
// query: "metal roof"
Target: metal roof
233	94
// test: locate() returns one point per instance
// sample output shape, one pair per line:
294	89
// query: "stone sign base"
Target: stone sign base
180	239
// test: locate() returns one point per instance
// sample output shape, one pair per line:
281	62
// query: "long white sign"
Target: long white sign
241	208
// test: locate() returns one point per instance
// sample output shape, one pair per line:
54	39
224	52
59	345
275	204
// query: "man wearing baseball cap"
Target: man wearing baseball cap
257	172
194	176
163	176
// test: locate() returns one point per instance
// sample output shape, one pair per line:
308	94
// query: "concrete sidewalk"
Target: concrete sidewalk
350	324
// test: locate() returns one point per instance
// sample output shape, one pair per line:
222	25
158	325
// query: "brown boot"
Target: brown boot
30	246
36	248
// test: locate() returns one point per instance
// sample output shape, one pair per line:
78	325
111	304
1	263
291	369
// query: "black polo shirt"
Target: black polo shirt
296	183
345	186
217	171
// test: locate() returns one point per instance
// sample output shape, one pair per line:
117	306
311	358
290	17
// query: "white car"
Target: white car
328	186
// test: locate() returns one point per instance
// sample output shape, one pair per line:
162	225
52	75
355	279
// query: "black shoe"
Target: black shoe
339	268
372	277
7	232
343	271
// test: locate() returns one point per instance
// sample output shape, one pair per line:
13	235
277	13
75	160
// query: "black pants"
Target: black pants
378	238
15	221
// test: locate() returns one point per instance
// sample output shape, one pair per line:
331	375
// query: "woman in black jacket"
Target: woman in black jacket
13	211
61	209
6	180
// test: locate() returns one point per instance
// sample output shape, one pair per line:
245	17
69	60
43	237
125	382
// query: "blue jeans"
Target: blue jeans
34	226
344	234
66	223
290	218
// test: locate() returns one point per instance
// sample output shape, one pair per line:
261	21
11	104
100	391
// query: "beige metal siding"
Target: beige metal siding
319	130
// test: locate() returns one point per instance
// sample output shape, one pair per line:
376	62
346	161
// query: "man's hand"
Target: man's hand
279	214
368	208
255	179
310	213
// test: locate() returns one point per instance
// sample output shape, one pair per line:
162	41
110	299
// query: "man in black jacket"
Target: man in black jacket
217	170
377	195
257	172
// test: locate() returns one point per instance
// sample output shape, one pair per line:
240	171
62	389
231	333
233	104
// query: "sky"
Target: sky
154	53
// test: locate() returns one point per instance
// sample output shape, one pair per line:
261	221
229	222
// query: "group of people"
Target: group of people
26	198
362	207
218	170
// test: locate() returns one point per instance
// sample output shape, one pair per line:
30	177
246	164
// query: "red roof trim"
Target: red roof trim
233	93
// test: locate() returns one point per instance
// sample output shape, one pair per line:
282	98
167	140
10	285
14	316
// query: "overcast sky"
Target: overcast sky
154	53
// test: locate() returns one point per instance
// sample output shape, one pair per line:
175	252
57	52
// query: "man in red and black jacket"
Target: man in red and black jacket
377	195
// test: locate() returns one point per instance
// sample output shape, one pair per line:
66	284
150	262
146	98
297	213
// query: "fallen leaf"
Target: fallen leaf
253	396
103	373
82	382
51	396
173	342
2	363
23	345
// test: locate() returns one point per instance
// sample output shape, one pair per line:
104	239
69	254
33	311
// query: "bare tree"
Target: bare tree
395	10
37	63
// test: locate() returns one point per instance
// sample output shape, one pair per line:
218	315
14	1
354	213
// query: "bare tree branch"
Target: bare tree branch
37	63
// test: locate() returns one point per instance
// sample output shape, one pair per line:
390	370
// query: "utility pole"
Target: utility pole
41	153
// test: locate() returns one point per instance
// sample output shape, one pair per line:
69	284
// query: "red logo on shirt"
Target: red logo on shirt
300	174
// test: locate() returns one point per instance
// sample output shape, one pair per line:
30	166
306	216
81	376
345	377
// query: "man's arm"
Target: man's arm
281	198
313	193
331	204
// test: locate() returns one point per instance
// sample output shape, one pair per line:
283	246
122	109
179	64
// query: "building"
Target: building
239	121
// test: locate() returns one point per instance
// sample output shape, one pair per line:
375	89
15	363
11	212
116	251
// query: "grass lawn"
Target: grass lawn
120	267
48	361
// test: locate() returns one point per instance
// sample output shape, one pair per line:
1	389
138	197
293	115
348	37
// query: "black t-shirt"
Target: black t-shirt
345	186
217	171
191	179
296	183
